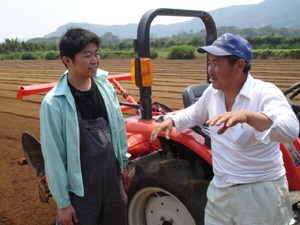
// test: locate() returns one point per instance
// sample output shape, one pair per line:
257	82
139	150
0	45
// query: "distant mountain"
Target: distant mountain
277	13
123	31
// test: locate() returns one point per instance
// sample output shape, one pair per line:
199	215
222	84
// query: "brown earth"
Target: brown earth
19	203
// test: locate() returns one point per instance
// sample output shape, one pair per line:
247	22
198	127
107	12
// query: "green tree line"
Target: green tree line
112	46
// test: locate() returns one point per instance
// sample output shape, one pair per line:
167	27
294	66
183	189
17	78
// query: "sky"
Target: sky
25	19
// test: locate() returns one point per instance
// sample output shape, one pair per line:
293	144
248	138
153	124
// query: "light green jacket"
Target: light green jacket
60	137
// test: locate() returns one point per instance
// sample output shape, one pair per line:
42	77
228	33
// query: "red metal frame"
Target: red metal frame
138	131
292	172
39	88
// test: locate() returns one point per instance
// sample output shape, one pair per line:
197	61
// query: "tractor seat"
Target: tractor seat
191	95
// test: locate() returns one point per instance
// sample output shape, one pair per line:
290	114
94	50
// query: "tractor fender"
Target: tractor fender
189	138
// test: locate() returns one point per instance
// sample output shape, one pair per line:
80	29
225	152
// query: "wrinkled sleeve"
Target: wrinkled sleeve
193	115
285	127
54	153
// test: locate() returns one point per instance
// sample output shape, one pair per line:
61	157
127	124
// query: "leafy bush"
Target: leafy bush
107	54
153	54
10	56
181	52
196	42
265	53
124	45
256	54
276	54
294	53
28	56
52	55
171	42
281	54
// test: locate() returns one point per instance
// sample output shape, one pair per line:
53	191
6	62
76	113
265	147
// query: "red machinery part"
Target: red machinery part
136	142
39	88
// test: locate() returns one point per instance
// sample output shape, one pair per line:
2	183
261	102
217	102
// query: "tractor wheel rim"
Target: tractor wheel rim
154	205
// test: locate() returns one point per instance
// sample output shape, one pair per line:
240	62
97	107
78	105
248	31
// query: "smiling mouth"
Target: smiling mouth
212	79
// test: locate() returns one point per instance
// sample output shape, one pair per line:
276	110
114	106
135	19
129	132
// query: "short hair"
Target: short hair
233	59
75	40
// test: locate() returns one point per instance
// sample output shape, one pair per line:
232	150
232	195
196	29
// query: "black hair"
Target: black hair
233	59
75	40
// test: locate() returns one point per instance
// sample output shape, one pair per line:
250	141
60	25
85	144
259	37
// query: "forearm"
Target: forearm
187	118
285	128
258	121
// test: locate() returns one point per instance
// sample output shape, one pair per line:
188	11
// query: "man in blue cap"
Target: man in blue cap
247	118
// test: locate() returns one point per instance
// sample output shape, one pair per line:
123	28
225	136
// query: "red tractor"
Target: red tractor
169	177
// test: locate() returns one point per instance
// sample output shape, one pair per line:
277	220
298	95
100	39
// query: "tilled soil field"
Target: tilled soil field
19	203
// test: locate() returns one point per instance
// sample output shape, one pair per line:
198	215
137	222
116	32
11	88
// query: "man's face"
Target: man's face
221	73
85	62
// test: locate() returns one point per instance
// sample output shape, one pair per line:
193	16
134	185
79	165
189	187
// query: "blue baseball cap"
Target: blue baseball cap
229	44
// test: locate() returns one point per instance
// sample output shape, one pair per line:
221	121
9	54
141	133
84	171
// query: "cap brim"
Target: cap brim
213	50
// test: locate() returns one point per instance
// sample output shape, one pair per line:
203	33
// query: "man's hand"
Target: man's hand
258	121
164	126
67	215
126	179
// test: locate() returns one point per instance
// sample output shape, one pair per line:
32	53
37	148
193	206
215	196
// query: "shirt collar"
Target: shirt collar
246	89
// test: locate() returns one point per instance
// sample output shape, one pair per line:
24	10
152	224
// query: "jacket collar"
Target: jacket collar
62	88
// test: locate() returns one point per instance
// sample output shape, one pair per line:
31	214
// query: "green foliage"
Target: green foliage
124	46
13	45
107	54
294	53
52	55
265	53
153	54
274	42
171	42
253	32
51	40
28	56
181	52
196	42
268	40
10	45
158	43
109	37
276	54
10	56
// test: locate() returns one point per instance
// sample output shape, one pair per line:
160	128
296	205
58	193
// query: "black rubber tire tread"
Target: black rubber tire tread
177	176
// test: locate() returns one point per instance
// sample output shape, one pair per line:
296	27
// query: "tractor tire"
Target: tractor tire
166	191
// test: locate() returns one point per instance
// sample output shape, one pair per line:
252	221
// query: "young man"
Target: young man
83	138
247	118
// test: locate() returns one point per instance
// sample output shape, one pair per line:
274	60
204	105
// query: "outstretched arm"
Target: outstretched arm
258	121
164	126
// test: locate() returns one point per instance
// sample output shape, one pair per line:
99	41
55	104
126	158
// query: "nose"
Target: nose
95	59
211	70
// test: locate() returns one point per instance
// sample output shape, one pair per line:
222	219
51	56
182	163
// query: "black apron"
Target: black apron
104	201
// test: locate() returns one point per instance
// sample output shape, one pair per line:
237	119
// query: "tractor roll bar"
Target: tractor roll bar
142	43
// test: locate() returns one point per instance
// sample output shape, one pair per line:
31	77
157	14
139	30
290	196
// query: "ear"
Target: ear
66	60
240	65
